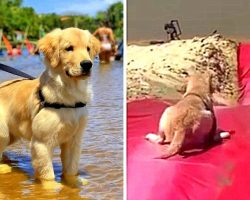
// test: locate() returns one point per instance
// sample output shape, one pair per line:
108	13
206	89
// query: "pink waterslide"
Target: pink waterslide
219	173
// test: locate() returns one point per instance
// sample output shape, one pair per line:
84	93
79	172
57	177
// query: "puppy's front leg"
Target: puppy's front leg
70	156
175	145
42	163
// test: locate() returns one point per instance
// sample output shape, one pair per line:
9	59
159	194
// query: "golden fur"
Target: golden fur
64	81
187	114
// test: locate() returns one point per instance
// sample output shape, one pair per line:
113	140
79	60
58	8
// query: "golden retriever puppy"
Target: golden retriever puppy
51	110
187	115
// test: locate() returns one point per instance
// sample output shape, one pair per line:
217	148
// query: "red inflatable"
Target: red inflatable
220	173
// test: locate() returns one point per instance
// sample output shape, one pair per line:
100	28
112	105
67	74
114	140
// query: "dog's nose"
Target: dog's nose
86	65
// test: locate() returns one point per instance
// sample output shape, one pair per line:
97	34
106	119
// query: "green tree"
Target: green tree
14	17
115	18
50	21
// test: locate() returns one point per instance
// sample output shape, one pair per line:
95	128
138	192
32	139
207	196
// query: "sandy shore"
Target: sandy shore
146	42
156	71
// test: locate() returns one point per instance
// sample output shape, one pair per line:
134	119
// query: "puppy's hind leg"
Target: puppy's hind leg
164	134
4	141
165	130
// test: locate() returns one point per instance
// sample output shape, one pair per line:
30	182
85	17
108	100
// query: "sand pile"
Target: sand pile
156	71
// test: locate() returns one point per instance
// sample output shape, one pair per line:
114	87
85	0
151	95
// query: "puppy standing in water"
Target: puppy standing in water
51	111
108	49
193	114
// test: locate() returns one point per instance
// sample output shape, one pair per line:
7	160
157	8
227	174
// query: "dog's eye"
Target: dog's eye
88	49
70	48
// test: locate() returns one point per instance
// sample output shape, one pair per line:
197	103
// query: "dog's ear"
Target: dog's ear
94	46
49	45
183	87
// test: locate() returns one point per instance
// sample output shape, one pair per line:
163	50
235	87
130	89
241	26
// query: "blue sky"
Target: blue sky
90	7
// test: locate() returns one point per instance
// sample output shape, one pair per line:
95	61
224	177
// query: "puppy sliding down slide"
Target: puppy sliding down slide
221	172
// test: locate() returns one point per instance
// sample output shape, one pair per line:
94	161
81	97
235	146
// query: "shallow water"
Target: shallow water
101	159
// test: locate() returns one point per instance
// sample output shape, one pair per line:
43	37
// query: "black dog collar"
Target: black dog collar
208	107
44	104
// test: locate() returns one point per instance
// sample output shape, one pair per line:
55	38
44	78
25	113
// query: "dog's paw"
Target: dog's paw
224	135
166	154
4	169
74	181
51	185
83	181
153	138
169	151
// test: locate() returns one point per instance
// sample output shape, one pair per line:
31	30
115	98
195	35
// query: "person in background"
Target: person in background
16	50
1	52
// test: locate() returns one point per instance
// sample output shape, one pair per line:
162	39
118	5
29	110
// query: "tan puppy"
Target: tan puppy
186	116
104	33
106	37
51	111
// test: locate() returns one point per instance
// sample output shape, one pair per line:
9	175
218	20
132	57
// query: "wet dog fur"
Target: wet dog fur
69	55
